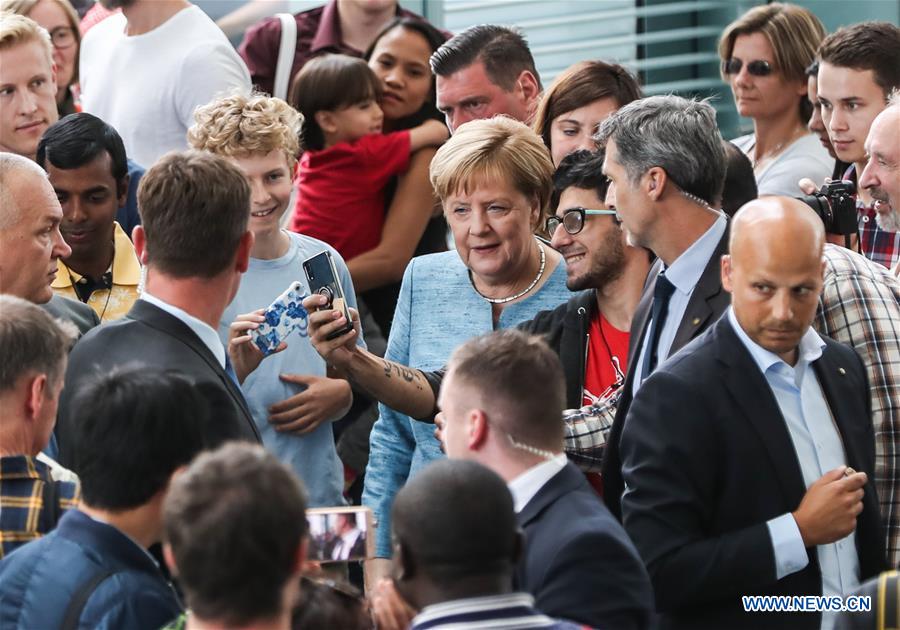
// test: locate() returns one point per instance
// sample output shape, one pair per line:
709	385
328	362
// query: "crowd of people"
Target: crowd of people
599	366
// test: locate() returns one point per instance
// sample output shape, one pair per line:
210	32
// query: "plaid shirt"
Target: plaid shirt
860	307
22	482
875	244
587	430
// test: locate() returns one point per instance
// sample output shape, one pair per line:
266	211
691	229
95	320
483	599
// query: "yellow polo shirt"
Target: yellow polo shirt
126	276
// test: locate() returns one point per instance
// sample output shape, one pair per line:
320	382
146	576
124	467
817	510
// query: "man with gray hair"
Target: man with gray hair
30	240
31	379
666	166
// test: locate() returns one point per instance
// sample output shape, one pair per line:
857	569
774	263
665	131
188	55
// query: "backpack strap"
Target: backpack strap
52	510
286	49
887	599
79	599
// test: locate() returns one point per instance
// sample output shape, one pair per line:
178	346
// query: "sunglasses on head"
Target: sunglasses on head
757	68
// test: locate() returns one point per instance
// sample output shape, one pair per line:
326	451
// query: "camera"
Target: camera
836	206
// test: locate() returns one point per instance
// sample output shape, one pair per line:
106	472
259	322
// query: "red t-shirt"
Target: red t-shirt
340	196
607	360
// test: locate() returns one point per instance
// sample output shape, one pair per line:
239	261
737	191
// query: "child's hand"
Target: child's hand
321	399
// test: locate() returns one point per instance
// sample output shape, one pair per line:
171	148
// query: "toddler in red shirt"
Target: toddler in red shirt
348	161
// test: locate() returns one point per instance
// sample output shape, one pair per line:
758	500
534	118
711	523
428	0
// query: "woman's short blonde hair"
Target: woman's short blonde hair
24	7
240	125
17	29
497	149
793	32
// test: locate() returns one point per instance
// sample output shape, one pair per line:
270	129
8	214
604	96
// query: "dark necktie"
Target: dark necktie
229	370
661	295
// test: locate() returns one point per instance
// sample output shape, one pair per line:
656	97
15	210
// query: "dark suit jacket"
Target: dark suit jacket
708	459
577	562
80	314
708	301
150	336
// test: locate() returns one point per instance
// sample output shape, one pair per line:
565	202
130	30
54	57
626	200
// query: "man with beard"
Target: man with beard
590	332
881	176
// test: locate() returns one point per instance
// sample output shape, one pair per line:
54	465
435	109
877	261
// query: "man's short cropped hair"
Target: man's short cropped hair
580	85
240	125
580	169
194	207
676	134
865	46
456	520
133	427
740	182
242	500
13	168
33	342
17	29
520	383
77	139
497	149
503	51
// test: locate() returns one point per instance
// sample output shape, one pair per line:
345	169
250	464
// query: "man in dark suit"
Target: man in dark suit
746	457
195	245
501	405
666	166
30	240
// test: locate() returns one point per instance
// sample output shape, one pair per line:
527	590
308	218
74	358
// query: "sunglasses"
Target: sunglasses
757	68
572	220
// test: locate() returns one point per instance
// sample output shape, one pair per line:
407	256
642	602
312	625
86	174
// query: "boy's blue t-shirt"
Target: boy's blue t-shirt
312	455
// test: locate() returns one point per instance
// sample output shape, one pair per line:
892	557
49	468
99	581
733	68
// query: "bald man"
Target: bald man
748	455
30	240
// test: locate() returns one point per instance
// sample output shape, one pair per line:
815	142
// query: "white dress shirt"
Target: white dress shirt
525	486
684	274
204	331
819	449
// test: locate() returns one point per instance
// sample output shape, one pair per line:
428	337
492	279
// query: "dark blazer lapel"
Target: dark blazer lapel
707	300
642	315
756	402
164	322
836	387
566	480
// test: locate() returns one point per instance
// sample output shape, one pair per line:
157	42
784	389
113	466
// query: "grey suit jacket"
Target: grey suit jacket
708	301
80	314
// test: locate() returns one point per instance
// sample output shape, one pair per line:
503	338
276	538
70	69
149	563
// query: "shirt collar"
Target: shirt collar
126	268
23	467
810	348
204	331
684	273
328	33
473	604
525	486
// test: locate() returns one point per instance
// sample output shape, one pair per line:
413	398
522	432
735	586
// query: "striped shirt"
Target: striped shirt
23	487
495	612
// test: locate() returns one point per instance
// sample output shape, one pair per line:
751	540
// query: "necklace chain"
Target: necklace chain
537	278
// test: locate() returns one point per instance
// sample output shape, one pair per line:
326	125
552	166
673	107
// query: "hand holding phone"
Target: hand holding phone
283	316
323	279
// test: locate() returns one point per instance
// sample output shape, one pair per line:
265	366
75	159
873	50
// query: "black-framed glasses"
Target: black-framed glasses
62	37
757	67
572	220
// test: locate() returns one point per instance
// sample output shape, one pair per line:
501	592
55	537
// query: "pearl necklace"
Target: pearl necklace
537	278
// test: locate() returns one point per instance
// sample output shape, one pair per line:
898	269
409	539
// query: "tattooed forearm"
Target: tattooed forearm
407	374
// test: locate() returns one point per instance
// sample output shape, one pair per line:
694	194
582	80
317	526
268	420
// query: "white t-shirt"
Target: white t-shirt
147	86
805	157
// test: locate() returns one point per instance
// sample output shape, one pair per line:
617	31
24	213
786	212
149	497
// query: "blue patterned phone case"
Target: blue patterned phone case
285	315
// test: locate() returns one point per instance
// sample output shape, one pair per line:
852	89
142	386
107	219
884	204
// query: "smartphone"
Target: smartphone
323	279
283	316
340	534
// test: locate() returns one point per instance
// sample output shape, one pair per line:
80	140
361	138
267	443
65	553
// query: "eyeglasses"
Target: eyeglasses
757	67
62	37
572	220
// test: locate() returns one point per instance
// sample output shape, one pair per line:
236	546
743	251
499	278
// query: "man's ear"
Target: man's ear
726	272
36	398
655	182
122	190
242	262
169	557
325	120
139	238
478	429
527	85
